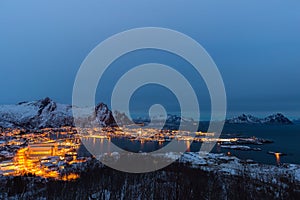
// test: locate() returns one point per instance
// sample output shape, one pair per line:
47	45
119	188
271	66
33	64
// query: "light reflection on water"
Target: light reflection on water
277	156
286	140
45	164
104	145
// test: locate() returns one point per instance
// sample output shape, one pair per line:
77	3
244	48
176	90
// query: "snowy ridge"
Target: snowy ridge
249	119
47	113
35	114
169	119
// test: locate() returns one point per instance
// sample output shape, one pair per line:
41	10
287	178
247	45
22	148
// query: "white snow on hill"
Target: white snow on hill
47	113
249	119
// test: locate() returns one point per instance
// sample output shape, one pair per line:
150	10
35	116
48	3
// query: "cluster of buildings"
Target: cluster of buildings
146	134
37	153
47	152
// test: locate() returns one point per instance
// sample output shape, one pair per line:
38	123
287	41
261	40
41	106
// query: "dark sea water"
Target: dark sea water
286	140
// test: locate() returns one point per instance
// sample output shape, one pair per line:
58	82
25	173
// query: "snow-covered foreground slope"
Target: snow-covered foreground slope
226	165
210	176
233	166
46	113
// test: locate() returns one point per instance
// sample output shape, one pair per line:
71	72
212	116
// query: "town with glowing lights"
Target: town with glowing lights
43	154
49	152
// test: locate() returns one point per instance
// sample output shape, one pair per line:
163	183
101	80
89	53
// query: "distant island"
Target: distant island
249	119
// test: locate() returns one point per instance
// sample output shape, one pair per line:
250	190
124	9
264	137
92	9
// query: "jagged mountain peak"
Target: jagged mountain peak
103	115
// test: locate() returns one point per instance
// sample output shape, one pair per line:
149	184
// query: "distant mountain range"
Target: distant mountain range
249	119
47	113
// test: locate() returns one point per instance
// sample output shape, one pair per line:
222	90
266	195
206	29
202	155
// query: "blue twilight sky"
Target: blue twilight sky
255	44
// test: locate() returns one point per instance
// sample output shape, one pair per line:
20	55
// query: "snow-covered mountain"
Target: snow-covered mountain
169	119
249	119
276	119
47	113
36	114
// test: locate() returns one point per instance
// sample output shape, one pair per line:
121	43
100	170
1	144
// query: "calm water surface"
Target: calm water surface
286	140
